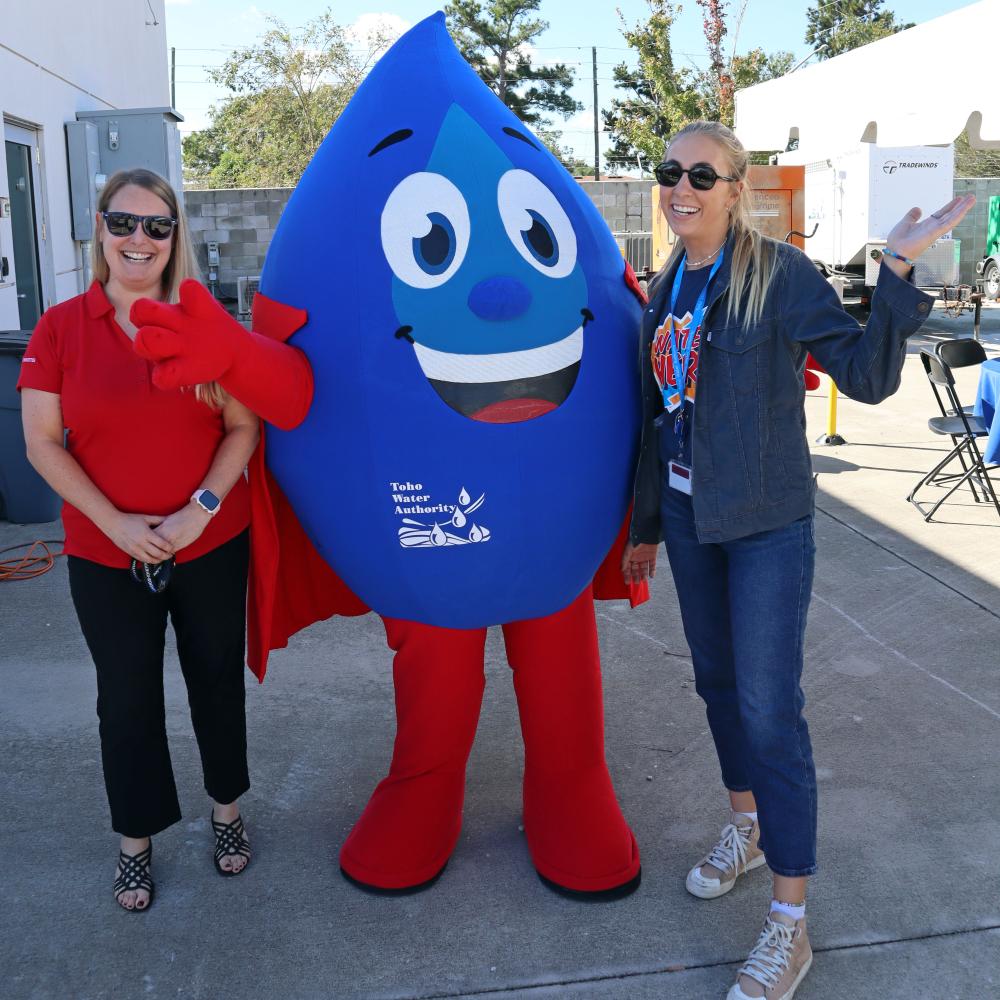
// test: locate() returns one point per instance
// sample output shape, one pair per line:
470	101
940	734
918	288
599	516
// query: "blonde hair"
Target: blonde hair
182	263
753	256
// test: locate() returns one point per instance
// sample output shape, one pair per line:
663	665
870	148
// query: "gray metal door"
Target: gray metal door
24	222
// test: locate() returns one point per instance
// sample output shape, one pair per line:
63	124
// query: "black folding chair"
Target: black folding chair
957	423
961	357
947	411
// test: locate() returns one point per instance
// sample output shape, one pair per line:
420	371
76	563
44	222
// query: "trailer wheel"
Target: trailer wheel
991	278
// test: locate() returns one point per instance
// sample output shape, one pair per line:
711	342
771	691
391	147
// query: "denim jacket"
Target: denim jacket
752	469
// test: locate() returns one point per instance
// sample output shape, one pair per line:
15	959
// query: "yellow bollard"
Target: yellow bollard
831	437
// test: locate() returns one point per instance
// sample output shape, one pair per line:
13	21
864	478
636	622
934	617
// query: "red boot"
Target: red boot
578	838
411	824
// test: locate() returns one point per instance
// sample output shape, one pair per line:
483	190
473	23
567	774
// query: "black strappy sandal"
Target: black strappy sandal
134	875
230	842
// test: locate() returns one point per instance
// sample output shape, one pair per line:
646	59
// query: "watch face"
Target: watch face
208	500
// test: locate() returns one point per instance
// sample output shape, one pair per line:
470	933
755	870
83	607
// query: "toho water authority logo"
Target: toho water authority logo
440	523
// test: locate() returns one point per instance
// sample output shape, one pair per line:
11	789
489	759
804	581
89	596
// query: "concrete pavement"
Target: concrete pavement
903	688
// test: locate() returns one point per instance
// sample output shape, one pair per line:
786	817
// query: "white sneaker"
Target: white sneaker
735	853
778	963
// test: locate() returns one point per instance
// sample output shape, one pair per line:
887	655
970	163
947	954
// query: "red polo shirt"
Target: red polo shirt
147	450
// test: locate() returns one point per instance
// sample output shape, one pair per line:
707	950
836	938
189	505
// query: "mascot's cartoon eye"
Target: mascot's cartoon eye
536	224
435	251
425	230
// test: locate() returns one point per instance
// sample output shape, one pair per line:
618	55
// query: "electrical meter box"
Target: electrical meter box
778	208
84	172
99	143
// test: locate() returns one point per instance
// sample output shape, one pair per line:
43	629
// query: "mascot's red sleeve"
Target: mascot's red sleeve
291	586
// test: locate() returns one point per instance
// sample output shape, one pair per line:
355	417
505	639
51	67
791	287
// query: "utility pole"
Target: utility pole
597	129
173	77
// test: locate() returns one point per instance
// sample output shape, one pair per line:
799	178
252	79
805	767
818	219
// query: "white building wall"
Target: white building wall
58	57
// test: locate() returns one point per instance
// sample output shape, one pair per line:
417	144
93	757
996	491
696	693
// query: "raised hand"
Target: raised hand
911	236
191	342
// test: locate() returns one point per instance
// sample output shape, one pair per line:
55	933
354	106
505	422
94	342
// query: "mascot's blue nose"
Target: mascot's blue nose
499	298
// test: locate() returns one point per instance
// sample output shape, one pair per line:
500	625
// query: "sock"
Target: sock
794	910
749	815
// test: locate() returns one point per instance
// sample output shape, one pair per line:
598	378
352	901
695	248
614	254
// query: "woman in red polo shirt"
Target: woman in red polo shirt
156	516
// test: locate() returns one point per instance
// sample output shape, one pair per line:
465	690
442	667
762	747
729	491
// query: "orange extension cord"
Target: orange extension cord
33	563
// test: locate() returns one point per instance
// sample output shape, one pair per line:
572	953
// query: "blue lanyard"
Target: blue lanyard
683	361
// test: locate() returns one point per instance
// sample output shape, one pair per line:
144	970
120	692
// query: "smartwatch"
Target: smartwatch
207	501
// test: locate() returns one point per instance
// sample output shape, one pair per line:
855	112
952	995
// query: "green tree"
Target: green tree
971	162
578	166
495	37
663	97
284	94
835	28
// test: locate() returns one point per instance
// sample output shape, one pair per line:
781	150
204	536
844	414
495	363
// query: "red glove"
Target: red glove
194	341
198	341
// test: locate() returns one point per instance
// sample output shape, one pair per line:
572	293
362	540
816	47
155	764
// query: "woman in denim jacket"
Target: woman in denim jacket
724	478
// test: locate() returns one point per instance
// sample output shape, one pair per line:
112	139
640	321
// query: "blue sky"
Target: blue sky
204	30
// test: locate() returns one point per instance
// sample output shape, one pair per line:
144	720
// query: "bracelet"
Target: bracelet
898	256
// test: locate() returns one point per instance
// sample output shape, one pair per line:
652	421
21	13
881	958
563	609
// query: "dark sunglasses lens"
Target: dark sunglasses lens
120	223
702	178
158	227
668	174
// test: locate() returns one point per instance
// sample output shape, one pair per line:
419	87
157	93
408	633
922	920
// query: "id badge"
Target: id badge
679	477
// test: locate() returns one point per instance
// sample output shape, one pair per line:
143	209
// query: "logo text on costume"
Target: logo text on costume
441	523
29	361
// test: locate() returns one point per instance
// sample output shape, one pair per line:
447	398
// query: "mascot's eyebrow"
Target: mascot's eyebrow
389	140
520	135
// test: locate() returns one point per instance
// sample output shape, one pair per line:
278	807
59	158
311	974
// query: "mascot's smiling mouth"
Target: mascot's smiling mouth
507	387
504	388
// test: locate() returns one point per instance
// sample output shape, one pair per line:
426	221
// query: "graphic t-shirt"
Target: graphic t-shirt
678	324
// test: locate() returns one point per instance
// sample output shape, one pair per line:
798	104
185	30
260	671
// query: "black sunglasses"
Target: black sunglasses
702	175
156	227
154	577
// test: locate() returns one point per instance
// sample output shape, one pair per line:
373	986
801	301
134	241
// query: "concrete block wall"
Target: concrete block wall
972	230
625	203
241	221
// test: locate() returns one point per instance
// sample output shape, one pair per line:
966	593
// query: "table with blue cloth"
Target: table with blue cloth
987	401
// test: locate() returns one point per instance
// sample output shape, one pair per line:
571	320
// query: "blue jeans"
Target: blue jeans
744	604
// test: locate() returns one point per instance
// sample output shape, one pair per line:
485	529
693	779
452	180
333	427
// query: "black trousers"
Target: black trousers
125	627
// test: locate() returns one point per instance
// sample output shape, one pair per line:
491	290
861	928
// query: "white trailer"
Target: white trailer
855	196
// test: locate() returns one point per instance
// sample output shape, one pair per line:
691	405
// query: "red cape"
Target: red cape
811	378
291	585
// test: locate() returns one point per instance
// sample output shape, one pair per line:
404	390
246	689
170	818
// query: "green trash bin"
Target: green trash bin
25	498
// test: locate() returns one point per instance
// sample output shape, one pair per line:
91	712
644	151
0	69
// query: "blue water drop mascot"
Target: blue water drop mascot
444	350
